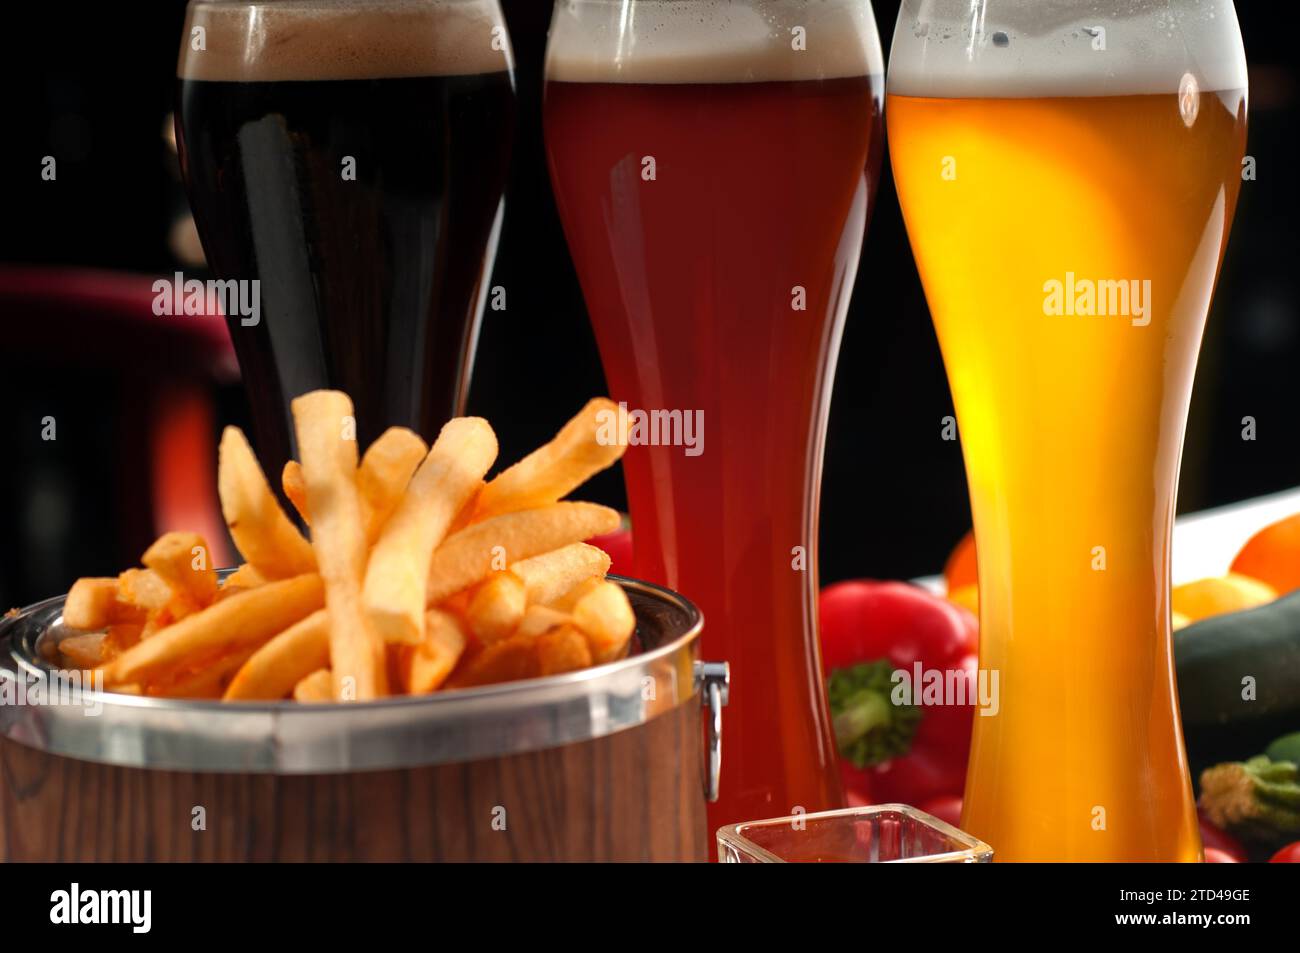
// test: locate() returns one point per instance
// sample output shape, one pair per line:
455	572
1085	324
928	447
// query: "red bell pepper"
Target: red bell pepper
903	753
1290	854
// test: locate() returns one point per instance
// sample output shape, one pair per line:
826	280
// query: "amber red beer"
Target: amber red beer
714	166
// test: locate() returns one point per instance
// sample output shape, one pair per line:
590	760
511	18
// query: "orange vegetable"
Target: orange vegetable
960	569
1273	555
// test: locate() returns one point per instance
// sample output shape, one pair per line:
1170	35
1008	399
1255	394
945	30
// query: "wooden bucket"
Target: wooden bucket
600	765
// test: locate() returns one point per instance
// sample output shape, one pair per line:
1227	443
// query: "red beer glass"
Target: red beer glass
714	166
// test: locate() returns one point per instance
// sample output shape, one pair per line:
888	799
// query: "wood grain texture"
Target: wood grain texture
632	796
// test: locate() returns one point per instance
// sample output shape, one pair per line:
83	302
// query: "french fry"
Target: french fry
468	556
466	514
566	602
587	444
268	541
385	471
419	574
562	650
146	589
540	619
316	688
206	682
242	621
497	607
459	603
506	661
425	666
154	623
121	636
295	490
277	666
549	576
83	651
225	592
94	603
396	579
606	618
381	478
328	448
164	605
181	559
245	577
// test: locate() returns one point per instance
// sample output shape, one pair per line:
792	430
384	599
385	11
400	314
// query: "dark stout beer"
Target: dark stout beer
351	157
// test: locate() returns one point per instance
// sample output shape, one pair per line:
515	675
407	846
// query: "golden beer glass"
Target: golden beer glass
1068	174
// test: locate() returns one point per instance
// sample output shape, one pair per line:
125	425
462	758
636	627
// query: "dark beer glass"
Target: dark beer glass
350	156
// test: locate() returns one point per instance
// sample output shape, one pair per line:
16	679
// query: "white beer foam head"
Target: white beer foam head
711	41
277	40
1031	48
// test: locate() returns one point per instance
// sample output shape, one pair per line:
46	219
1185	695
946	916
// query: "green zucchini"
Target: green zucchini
1215	656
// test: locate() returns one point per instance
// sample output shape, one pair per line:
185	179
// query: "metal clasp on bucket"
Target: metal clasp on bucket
713	681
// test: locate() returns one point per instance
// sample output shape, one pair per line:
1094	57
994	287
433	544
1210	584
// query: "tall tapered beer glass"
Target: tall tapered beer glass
349	158
714	165
1068	174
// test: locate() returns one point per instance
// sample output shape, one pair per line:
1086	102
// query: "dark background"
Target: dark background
93	84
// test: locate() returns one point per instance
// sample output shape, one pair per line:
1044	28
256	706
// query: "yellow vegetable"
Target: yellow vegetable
1218	596
967	596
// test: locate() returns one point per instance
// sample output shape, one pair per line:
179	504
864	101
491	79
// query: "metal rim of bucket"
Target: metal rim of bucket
403	732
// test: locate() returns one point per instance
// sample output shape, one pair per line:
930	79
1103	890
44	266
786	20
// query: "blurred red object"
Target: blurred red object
67	330
1213	837
618	545
1214	855
946	807
100	318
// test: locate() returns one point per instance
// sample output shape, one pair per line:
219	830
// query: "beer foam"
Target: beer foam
712	41
1032	48
280	40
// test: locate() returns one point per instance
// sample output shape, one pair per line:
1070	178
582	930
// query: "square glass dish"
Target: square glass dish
881	833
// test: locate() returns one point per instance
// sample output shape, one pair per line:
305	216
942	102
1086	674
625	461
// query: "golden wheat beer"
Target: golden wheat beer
1068	185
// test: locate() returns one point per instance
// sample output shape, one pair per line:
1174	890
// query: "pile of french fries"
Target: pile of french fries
418	575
